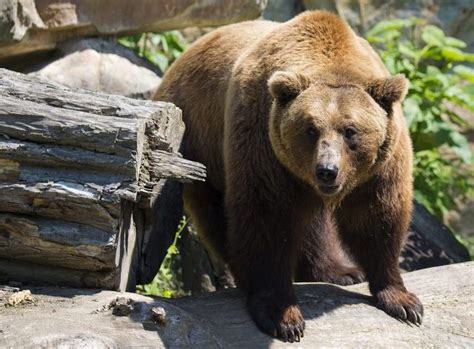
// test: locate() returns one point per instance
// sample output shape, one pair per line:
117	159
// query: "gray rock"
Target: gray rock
122	306
430	243
335	317
59	20
102	66
16	17
282	10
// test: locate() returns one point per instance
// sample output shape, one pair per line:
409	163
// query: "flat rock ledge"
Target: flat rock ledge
335	317
28	26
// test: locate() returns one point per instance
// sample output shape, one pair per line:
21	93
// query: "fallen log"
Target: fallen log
80	173
335	317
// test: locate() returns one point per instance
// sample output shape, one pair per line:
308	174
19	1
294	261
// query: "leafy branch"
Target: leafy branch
440	89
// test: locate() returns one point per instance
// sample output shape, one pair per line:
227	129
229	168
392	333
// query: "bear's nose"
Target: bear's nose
327	174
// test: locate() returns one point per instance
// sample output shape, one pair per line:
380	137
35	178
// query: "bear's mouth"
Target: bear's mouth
328	189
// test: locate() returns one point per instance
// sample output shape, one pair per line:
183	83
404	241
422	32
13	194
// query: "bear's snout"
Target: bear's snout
326	174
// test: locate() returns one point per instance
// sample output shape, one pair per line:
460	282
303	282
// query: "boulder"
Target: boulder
102	66
16	17
282	10
335	317
33	25
430	243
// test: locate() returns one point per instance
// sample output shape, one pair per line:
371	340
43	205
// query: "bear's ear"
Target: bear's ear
388	91
286	85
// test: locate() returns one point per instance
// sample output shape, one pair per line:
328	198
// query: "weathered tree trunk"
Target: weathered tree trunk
80	174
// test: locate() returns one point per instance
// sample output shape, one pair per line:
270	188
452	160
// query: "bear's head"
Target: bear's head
333	136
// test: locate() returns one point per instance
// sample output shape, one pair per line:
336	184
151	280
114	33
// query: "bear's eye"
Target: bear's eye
312	133
349	133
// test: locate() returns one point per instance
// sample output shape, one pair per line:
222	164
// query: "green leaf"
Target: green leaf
407	51
433	53
453	54
465	72
130	41
461	146
156	39
462	96
457	119
391	64
411	109
433	35
164	44
389	25
453	42
159	59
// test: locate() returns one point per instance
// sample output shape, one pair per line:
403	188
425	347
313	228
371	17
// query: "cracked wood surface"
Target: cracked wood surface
70	161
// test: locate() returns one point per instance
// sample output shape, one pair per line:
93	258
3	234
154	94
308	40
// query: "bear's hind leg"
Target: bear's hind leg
312	267
321	258
205	205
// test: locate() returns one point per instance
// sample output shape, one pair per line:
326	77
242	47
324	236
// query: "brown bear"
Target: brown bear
301	129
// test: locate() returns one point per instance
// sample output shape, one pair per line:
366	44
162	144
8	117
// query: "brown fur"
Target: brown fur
265	105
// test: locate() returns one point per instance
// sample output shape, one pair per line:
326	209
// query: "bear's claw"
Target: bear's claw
400	304
290	333
284	322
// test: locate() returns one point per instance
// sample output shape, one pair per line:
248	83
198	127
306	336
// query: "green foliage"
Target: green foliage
161	49
166	283
439	87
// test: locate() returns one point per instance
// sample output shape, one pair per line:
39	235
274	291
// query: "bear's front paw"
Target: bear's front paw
347	276
277	317
400	304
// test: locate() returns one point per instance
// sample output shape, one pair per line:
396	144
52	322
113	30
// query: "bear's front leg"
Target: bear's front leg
321	258
375	240
262	249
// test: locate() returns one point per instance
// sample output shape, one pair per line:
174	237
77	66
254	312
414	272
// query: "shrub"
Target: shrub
439	88
162	49
166	283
